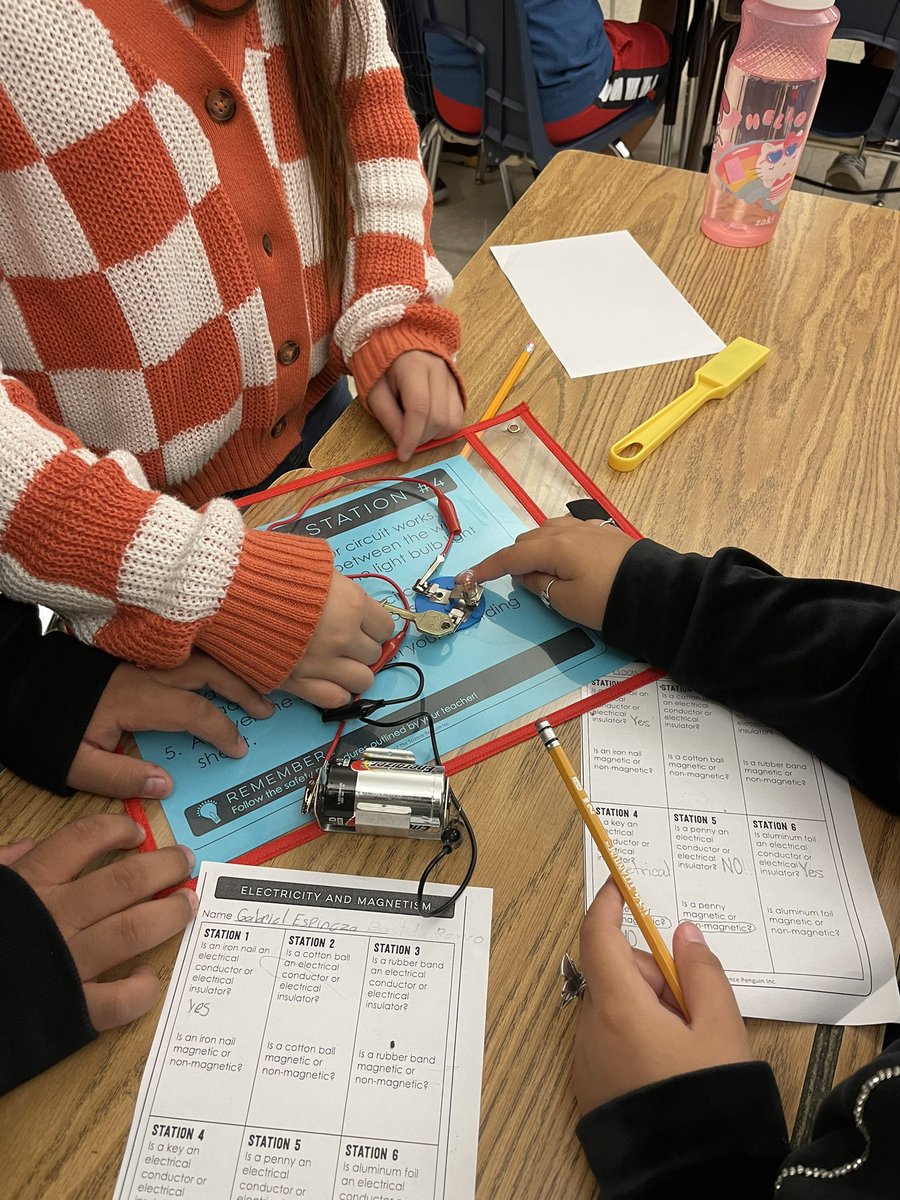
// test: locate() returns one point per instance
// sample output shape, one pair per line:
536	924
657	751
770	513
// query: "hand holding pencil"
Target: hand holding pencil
617	870
630	1034
643	1018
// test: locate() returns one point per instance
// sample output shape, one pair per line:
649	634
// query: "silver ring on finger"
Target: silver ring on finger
545	592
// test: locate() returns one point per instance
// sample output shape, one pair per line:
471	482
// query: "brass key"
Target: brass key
430	621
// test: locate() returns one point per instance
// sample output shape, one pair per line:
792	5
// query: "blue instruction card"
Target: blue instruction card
517	657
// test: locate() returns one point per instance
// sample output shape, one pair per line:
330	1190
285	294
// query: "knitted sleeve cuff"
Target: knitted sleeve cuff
272	607
424	327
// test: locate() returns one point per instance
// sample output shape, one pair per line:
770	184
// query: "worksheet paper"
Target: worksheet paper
729	825
319	1040
519	656
603	304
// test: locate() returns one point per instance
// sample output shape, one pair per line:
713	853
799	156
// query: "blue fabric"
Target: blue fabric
321	418
572	58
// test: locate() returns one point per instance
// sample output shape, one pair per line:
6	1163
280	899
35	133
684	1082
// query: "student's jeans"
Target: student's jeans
316	425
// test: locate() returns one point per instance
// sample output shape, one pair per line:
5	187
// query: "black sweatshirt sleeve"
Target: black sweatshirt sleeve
818	660
49	688
720	1133
855	1148
45	1017
714	1133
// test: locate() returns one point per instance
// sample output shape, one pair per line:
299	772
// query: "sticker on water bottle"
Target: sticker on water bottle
760	136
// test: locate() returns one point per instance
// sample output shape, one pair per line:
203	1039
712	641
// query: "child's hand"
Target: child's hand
416	399
107	916
12	853
580	557
136	700
630	1031
347	641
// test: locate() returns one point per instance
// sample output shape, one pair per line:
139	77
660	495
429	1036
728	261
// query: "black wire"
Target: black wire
470	870
848	191
360	708
405	666
445	851
447	848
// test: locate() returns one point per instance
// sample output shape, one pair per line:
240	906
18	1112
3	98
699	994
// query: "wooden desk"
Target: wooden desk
799	467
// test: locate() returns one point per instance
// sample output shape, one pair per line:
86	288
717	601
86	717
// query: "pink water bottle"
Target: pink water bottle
771	91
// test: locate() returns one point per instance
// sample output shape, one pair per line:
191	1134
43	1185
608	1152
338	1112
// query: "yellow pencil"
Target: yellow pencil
505	388
642	917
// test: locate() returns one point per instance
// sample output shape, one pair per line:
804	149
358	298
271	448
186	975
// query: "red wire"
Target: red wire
388	650
446	511
393	644
384	579
450	520
337	737
444	503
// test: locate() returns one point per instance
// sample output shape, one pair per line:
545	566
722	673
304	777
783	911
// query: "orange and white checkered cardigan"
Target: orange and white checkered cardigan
163	315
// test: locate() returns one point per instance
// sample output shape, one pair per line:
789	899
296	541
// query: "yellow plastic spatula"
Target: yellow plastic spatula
715	380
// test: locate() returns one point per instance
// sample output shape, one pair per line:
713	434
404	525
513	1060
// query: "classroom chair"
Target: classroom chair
717	47
512	124
861	102
411	55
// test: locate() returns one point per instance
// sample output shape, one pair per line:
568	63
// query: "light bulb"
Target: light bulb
209	811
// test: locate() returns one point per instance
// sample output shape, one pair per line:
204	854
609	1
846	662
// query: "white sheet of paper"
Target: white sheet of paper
603	304
732	826
319	1040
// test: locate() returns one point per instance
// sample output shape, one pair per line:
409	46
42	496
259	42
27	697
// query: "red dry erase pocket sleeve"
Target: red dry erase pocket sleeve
518	459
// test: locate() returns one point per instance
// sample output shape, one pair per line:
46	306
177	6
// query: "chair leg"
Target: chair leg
727	51
620	150
706	82
687	112
665	145
481	169
889	174
430	144
505	178
698	35
677	59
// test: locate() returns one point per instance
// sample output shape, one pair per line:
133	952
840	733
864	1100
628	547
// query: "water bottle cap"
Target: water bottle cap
802	5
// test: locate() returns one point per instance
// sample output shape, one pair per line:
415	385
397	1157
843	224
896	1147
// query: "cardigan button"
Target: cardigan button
288	353
220	105
279	427
267	245
223	8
